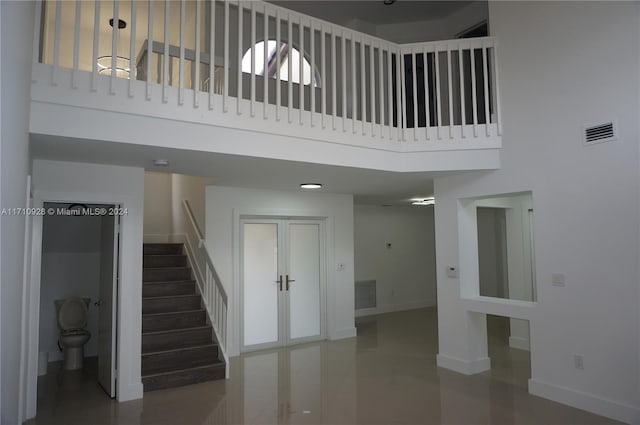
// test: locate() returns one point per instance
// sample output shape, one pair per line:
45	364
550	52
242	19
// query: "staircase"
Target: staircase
178	345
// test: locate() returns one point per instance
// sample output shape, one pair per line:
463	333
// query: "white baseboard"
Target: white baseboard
390	308
343	333
519	343
600	406
463	366
130	392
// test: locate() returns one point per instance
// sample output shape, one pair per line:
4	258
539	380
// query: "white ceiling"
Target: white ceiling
374	11
367	186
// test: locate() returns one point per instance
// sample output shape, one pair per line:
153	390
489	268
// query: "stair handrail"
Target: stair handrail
208	281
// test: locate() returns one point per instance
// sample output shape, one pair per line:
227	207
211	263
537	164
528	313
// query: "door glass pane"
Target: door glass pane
260	269
304	268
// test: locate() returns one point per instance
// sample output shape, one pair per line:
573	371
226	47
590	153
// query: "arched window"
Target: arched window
272	62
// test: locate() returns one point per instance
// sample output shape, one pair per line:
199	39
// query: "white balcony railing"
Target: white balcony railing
290	73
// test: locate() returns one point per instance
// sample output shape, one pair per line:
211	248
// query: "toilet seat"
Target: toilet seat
73	315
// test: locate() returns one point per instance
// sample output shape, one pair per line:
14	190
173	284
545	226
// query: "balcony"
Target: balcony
254	66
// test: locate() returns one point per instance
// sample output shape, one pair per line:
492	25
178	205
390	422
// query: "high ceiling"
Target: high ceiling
374	12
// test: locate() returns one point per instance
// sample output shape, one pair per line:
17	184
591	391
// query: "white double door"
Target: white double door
283	282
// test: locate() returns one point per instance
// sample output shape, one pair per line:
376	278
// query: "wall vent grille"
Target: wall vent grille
600	133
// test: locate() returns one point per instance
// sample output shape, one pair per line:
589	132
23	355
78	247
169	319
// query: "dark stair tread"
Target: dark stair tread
153	282
177	330
160	297
198	310
217	362
168	268
173	350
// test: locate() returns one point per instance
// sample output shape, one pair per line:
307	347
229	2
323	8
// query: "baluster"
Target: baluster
380	92
438	97
473	91
301	69
181	70
403	95
76	44
312	87
96	38
389	93
225	69
463	112
195	73
132	49
486	90
450	83
278	64
265	62
289	66
253	59
212	53
165	73
56	44
149	49
334	89
372	84
497	87
343	63
114	46
323	59
427	108
414	68
354	106
363	85
239	64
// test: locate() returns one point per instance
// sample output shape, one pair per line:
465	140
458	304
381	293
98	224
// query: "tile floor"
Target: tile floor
385	376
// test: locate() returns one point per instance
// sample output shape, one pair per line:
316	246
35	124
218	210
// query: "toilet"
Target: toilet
72	319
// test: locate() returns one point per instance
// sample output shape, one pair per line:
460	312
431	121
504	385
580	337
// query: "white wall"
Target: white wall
16	39
157	206
104	184
552	85
191	189
405	274
224	205
70	268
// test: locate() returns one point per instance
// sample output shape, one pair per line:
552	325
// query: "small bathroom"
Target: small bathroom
77	261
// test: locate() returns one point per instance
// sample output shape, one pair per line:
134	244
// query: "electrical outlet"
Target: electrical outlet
340	267
578	362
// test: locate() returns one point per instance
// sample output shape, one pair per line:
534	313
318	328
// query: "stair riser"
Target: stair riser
165	275
169	341
183	378
164	261
167	322
168	288
176	360
162	249
167	305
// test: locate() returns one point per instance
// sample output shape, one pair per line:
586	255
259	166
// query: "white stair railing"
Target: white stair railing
255	60
209	283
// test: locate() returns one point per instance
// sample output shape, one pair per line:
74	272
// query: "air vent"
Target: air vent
600	133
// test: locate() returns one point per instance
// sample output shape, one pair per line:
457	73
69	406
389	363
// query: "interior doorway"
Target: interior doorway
80	260
283	275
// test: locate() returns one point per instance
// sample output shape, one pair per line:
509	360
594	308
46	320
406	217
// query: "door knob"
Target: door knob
288	281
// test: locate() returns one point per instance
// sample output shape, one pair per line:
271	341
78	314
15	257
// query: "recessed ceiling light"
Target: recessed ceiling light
424	201
310	186
161	162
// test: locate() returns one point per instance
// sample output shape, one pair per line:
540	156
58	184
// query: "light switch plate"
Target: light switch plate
452	271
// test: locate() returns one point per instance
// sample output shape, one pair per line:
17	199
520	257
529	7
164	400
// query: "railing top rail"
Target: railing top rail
284	12
475	41
202	245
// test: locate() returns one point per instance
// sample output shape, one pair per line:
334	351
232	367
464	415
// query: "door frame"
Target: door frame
40	199
284	338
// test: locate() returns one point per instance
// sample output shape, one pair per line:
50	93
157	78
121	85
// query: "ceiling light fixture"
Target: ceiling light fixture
122	64
424	201
161	162
311	186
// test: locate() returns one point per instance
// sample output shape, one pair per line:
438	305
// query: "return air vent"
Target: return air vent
600	133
